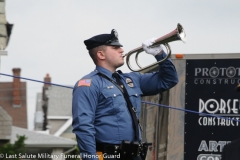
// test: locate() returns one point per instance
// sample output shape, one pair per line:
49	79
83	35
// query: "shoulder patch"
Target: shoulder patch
84	82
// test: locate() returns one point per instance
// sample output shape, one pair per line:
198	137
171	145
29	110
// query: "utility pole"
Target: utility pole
46	86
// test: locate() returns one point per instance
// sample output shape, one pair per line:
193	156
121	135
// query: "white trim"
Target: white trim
58	117
64	127
207	56
70	150
43	132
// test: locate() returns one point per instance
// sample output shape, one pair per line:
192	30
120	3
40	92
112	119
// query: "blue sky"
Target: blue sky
48	35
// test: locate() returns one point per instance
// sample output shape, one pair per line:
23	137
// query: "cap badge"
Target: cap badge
115	33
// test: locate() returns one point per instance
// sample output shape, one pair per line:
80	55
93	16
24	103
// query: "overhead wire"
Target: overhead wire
145	102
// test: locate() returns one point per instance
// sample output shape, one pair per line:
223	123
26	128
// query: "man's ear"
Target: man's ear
101	55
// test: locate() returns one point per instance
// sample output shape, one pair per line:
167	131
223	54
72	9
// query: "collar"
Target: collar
104	71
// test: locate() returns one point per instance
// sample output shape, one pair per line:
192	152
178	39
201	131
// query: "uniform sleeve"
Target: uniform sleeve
156	82
84	104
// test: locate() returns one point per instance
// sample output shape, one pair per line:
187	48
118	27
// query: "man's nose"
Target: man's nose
121	50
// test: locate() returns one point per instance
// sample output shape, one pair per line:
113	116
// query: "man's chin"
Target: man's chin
120	65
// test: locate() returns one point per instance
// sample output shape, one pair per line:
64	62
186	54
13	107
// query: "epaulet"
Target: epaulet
90	75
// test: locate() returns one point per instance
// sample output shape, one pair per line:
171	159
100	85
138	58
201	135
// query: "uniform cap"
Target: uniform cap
103	39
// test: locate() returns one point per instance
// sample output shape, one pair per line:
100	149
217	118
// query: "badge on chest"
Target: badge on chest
129	82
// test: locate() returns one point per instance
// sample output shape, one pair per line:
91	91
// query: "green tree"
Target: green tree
12	149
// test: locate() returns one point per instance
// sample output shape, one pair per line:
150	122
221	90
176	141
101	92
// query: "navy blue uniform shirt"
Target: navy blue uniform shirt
99	109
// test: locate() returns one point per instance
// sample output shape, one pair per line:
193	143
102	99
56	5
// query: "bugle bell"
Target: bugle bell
177	34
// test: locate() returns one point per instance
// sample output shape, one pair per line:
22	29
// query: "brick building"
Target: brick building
13	99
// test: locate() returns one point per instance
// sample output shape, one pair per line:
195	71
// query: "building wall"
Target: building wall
19	113
3	30
55	124
68	133
5	126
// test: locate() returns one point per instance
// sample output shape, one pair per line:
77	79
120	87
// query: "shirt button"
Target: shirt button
136	94
114	95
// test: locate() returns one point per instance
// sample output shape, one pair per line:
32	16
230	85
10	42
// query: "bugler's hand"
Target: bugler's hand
151	50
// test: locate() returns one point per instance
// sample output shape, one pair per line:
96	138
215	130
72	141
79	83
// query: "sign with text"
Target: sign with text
210	89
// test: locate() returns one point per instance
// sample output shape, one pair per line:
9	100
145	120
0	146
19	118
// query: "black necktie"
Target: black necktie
130	107
118	79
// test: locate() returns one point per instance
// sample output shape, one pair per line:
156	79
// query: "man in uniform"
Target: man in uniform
102	120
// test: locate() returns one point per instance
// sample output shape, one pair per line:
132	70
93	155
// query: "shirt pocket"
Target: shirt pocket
135	97
113	101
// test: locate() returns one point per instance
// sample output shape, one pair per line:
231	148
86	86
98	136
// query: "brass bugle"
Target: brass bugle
177	34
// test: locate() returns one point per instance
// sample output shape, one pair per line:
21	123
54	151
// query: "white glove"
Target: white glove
151	50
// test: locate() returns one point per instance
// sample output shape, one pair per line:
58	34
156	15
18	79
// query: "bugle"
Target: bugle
177	34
